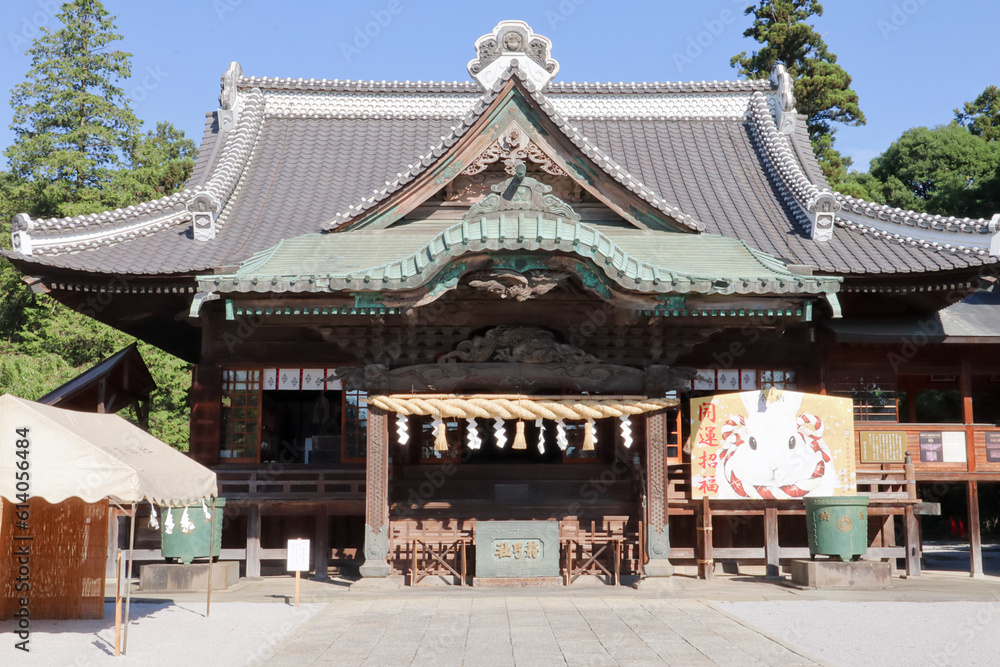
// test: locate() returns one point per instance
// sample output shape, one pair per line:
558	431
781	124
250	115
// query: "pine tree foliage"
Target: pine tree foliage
822	88
72	122
78	150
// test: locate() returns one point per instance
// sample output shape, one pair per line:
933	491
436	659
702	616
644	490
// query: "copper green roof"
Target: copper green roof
412	256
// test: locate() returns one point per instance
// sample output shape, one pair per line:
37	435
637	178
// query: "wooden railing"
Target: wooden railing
264	484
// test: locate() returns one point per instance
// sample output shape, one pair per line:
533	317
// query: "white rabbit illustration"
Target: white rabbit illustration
774	452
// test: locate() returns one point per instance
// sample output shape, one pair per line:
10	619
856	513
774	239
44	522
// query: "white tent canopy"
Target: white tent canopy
92	457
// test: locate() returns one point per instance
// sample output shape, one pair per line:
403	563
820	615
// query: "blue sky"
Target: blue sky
913	61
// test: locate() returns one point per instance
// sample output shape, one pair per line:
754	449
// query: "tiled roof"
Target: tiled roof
309	155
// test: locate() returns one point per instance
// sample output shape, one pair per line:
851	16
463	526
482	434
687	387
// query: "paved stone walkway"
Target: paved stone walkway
522	630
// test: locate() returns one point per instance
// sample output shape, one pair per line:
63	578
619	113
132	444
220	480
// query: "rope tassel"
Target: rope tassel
440	439
519	441
589	437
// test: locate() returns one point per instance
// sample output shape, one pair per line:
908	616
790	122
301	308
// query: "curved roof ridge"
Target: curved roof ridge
910	240
904	217
781	155
81	232
604	161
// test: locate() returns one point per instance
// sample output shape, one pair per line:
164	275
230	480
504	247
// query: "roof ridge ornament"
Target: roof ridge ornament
521	193
229	99
785	113
513	41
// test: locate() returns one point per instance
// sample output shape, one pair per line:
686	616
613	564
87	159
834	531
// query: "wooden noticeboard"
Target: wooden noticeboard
993	446
883	446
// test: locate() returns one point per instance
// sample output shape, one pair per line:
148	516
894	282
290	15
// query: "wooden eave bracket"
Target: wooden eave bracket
199	299
834	303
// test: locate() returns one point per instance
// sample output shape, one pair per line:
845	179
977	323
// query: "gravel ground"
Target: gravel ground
881	633
161	633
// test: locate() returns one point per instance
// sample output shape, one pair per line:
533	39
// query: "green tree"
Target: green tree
944	170
77	150
72	122
981	116
160	165
822	87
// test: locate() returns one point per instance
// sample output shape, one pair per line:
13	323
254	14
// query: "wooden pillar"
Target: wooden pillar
321	545
771	542
377	496
975	541
911	522
253	542
657	517
142	413
110	569
706	564
206	413
968	418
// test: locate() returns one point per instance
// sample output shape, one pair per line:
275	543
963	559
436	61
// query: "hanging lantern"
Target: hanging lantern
561	435
498	431
589	437
402	428
626	425
519	441
472	434
541	436
440	439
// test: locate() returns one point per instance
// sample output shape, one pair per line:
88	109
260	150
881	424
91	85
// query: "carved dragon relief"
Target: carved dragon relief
510	284
518	344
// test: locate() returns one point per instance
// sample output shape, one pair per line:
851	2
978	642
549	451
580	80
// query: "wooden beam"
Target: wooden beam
975	538
771	550
253	542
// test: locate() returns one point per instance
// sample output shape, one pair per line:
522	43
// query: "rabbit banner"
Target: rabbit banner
772	445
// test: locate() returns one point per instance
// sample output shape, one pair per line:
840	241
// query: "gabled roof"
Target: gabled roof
126	380
288	157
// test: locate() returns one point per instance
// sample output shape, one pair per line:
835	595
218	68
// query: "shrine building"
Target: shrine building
453	329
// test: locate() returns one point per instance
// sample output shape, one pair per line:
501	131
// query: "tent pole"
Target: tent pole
211	552
128	579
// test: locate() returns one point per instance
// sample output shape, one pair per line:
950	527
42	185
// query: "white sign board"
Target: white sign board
298	556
